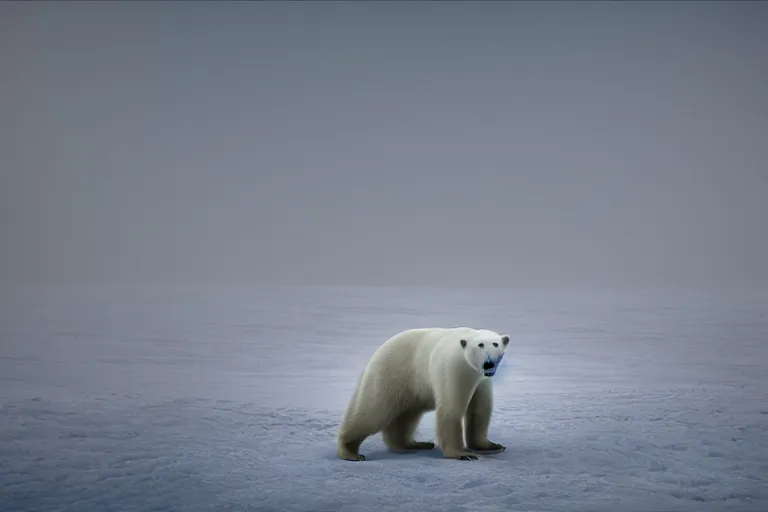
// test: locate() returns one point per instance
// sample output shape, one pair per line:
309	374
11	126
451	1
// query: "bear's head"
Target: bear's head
484	352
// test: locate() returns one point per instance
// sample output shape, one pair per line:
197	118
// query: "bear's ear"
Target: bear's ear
463	343
505	340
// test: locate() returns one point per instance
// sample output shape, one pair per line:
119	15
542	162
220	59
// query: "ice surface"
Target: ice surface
201	399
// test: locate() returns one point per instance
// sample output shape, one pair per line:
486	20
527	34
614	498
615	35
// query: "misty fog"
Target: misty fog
444	144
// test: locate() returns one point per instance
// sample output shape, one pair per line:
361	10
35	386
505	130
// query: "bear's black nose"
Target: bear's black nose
488	365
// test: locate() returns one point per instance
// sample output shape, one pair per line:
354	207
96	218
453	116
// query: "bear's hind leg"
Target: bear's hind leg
351	436
478	418
398	436
354	430
357	427
349	449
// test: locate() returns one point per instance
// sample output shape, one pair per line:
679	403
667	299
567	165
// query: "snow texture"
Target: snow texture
202	399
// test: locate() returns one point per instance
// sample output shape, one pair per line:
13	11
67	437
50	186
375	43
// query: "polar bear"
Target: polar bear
447	370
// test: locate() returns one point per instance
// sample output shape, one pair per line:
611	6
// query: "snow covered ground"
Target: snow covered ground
140	400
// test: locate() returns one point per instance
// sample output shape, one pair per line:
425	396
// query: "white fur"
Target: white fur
421	370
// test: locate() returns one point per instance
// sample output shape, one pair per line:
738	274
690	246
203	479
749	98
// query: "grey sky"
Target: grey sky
505	143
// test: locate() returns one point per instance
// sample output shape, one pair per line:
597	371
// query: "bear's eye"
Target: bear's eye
480	345
495	344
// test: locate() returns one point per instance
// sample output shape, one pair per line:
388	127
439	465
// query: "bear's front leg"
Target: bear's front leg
449	435
478	418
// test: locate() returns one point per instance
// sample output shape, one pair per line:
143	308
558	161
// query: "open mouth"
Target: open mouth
490	366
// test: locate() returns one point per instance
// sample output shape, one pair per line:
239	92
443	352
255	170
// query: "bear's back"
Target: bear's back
400	366
413	352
